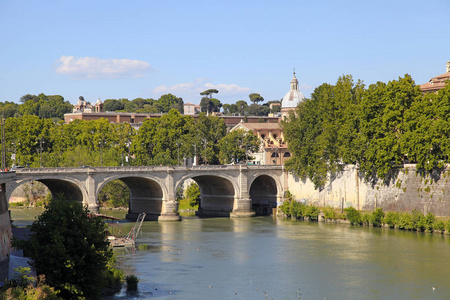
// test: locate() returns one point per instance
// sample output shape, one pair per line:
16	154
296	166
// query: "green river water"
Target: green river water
272	258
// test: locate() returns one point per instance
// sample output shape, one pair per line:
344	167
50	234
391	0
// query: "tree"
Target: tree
192	194
45	106
113	105
320	135
255	98
217	105
161	141
207	133
69	246
167	102
115	193
382	117
236	146
241	106
209	92
257	110
207	105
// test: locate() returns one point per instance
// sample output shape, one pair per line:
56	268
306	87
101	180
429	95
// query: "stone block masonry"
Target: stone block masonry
408	191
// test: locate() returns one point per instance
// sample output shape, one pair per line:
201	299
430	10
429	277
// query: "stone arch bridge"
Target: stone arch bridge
234	191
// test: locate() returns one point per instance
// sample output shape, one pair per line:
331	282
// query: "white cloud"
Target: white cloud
305	87
228	89
199	85
96	68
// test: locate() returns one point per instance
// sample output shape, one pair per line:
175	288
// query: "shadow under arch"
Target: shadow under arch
217	196
69	190
263	192
146	195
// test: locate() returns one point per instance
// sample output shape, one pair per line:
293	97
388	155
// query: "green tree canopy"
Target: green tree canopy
113	105
44	106
237	145
209	92
73	261
255	98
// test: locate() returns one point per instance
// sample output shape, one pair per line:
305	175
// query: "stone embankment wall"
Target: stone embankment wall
408	191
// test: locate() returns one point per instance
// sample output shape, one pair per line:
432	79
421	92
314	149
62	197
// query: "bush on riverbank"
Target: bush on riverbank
414	221
27	287
297	210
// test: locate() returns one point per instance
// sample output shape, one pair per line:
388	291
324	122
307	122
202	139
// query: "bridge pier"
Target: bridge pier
170	211
243	209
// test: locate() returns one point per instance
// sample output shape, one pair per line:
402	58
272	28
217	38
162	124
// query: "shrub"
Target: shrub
297	209
405	221
292	208
418	220
429	221
365	219
132	282
330	213
285	207
447	227
439	225
312	212
391	219
353	215
376	218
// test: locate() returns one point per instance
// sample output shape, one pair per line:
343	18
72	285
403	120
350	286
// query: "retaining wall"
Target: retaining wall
406	192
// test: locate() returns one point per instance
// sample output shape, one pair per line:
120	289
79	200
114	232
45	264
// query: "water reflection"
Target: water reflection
251	258
248	258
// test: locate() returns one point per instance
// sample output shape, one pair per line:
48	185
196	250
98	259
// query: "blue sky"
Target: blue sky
130	49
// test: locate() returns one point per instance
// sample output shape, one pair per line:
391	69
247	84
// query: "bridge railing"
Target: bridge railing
143	168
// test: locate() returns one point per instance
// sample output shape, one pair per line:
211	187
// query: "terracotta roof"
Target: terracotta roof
435	83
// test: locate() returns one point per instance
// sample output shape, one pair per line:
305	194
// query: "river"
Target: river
272	258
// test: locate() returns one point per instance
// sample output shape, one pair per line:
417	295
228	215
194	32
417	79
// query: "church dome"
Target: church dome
293	97
99	101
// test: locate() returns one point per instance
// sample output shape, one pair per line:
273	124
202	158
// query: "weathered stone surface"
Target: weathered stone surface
407	192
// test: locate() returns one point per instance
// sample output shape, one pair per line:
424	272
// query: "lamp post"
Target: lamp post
13	156
127	158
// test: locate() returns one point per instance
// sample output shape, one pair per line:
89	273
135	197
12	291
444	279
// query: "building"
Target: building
191	109
84	106
273	149
292	99
437	83
138	118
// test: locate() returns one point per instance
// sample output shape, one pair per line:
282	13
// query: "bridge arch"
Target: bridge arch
264	191
70	189
218	193
147	195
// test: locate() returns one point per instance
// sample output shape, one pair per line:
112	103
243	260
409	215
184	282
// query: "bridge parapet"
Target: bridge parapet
236	188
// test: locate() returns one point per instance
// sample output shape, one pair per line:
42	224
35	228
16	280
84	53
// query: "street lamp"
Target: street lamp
127	158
